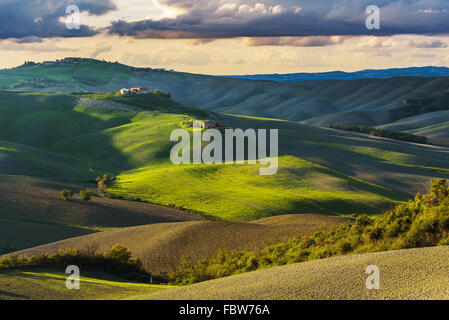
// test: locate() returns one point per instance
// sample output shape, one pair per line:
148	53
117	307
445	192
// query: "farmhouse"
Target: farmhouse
135	90
208	124
139	90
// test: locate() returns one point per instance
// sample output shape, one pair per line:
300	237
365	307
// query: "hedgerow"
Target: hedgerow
423	221
118	260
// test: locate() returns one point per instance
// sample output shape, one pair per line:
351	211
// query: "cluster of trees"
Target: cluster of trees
67	194
86	194
423	221
102	184
415	107
118	260
161	93
383	133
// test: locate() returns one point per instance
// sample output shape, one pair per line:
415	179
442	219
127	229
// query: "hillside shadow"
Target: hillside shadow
49	121
12	295
365	173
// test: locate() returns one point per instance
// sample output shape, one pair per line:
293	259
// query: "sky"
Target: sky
229	36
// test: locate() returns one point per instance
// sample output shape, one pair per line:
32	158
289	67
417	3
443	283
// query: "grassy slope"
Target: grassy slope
325	180
130	137
111	138
404	274
434	125
238	192
162	246
414	123
66	77
20	159
50	284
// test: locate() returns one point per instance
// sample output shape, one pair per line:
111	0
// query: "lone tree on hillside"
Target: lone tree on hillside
119	253
66	195
102	184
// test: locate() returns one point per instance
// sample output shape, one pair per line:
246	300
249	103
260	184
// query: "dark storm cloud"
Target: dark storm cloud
32	19
281	18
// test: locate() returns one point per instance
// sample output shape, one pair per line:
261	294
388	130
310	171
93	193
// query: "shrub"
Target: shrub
160	93
66	195
86	194
393	229
106	178
419	222
376	234
252	263
91	248
345	247
117	260
119	253
444	221
439	189
102	184
383	133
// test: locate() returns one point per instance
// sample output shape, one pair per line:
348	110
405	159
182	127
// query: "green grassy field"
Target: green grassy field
54	141
67	136
84	75
238	192
112	139
50	284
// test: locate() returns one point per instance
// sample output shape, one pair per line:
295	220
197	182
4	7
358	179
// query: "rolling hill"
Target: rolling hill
352	102
321	171
404	274
76	129
32	213
162	246
434	125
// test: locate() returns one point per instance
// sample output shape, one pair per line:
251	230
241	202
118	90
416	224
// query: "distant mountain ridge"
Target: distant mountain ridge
341	75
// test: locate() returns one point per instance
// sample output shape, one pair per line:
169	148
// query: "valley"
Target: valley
55	138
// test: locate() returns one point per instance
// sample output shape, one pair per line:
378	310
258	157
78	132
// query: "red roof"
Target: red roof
139	88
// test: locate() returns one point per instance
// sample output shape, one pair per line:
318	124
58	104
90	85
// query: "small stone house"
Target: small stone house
208	124
136	90
139	90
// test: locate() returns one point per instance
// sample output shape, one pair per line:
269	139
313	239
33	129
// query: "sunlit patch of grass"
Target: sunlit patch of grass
50	283
239	192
